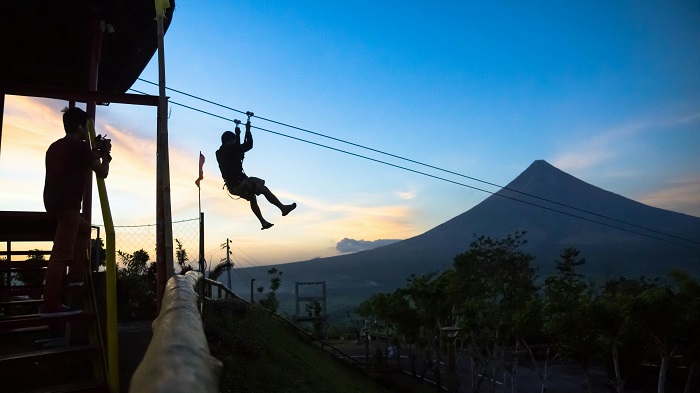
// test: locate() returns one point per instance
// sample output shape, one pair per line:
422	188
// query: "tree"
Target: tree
138	284
32	277
270	301
491	286
314	309
430	297
568	311
98	253
182	258
401	317
660	316
219	269
688	298
619	332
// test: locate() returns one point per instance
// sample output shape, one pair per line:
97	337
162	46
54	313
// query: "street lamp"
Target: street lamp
366	330
451	332
252	301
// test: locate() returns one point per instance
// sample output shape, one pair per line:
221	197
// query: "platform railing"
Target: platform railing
215	290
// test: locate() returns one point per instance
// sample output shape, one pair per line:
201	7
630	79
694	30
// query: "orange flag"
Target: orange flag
201	171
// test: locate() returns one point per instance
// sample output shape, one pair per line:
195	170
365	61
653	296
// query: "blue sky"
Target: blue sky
606	91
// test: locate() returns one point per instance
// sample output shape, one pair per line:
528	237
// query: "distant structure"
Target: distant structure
323	318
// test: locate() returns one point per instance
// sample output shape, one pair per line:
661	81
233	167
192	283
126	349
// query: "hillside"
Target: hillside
262	354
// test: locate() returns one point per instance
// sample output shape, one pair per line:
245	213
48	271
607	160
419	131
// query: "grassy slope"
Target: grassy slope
261	354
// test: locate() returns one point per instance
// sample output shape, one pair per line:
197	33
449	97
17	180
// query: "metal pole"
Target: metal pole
451	365
252	300
201	241
296	298
366	330
228	262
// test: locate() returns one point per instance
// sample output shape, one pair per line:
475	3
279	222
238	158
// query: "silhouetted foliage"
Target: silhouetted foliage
314	309
182	258
137	280
490	293
270	301
568	311
99	253
32	277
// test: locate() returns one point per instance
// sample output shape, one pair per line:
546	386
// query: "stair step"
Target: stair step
29	302
36	320
22	290
46	355
34	290
76	387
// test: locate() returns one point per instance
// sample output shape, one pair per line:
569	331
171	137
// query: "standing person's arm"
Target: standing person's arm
100	163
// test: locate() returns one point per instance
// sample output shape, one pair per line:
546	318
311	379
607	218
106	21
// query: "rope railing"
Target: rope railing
178	359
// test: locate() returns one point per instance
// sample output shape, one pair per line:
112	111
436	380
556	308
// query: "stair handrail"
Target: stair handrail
111	280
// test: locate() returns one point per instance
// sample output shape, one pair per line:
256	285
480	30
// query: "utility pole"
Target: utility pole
228	263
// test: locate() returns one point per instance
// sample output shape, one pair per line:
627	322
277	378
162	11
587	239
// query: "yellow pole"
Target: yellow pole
111	284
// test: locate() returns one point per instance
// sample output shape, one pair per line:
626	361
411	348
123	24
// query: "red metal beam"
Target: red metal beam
78	95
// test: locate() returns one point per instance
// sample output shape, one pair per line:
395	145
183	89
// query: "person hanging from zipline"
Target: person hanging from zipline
230	158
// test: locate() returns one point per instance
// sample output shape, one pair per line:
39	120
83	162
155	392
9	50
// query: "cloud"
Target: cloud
596	148
681	196
609	144
351	245
407	195
582	159
339	220
31	125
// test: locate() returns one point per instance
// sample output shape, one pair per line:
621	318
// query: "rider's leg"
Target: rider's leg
285	209
256	210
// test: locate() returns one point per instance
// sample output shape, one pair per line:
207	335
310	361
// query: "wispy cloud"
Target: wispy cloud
596	148
601	147
312	230
407	195
682	195
29	127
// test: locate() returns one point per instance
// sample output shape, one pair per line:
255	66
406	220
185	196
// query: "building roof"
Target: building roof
48	43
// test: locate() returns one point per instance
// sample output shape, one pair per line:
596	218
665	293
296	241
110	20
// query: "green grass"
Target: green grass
262	354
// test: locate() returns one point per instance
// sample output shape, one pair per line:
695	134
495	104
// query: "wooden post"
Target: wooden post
164	228
2	111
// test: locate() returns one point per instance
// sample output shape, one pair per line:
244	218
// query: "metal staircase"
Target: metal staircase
44	354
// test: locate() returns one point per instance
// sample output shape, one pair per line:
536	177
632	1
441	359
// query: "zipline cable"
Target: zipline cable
427	165
462	184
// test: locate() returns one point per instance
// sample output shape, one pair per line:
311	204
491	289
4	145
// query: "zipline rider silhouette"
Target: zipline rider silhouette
230	158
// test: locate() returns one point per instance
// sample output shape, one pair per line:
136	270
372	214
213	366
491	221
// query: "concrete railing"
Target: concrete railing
178	359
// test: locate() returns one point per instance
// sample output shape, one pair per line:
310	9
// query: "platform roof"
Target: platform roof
49	43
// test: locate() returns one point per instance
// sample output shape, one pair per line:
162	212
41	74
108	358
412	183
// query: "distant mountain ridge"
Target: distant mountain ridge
622	238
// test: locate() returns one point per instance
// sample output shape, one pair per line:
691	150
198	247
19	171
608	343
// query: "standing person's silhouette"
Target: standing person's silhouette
69	162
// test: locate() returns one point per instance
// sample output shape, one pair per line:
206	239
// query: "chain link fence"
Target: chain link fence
131	238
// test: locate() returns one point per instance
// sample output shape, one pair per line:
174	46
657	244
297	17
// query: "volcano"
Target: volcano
616	235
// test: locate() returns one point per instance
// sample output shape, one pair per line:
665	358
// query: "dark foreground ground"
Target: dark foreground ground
134	337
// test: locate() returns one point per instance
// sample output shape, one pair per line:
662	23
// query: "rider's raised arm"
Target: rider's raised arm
248	139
